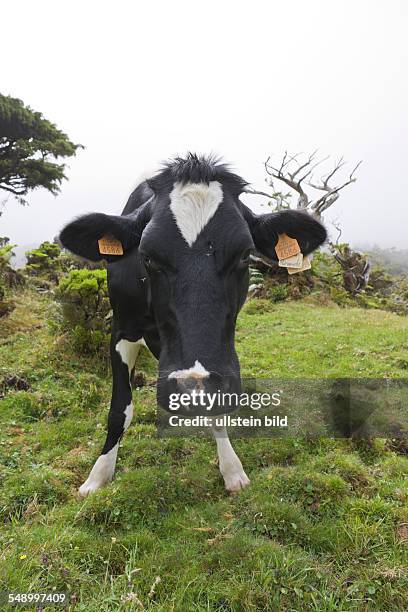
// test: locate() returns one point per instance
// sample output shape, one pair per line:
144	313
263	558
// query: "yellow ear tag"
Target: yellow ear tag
110	246
286	247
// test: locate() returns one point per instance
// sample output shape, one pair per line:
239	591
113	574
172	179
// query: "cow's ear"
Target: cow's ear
265	230
81	236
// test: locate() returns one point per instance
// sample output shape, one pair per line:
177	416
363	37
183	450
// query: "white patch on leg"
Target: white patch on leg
104	469
193	205
101	473
129	351
230	466
128	416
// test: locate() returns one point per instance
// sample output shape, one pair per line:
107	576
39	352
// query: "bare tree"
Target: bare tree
297	172
293	173
336	225
293	170
331	193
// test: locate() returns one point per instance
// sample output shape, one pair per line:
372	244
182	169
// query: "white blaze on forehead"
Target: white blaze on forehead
196	371
193	205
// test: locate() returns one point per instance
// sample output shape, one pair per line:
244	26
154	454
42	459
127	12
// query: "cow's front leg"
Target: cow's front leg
123	357
229	463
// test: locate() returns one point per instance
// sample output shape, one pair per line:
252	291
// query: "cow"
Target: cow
179	285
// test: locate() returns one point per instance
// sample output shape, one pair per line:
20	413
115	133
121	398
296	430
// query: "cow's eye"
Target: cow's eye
245	258
150	264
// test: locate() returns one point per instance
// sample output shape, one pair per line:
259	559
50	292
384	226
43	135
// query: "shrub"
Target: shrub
278	293
6	252
340	296
9	278
326	269
258	306
365	301
88	340
84	299
380	281
69	262
44	261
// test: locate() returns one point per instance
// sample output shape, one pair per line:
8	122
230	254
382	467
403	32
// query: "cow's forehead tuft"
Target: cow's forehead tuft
195	168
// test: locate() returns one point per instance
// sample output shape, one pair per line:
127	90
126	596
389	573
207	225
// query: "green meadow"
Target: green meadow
323	525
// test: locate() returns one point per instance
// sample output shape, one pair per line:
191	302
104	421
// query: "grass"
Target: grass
323	526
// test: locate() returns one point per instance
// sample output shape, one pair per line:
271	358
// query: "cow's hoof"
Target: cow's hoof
236	482
89	487
101	474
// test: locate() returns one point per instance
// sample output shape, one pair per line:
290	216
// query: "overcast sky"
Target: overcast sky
137	82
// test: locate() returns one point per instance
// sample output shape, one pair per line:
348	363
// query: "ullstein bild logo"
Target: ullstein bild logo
227	420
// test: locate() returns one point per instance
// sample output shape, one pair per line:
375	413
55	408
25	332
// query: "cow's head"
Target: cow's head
194	239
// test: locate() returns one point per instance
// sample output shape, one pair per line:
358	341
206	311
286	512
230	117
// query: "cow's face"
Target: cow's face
194	242
196	252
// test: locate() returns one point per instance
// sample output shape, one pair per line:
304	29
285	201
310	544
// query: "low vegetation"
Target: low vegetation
328	281
9	278
323	526
44	261
83	295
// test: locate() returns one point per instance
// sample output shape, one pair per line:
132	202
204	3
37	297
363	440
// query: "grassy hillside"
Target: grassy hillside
323	526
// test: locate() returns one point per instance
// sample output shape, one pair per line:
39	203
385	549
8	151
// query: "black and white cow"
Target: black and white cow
179	286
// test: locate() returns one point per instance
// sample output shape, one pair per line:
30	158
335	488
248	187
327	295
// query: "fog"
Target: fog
136	83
